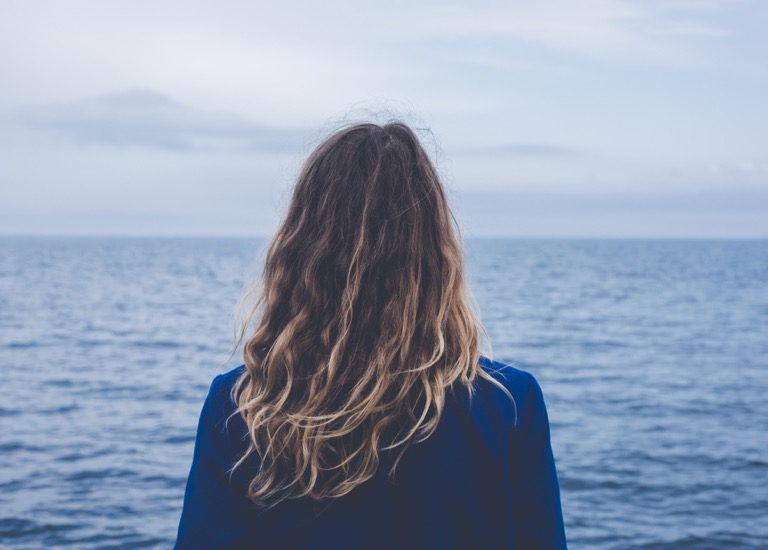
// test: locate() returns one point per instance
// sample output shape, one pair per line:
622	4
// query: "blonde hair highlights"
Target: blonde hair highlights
363	320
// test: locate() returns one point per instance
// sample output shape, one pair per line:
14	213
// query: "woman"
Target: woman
364	416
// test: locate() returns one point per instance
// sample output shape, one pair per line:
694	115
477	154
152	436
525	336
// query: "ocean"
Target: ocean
652	355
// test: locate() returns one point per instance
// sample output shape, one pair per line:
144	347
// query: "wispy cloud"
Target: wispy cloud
149	119
649	32
518	150
719	213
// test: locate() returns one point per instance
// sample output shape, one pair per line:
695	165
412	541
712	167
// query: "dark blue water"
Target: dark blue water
653	357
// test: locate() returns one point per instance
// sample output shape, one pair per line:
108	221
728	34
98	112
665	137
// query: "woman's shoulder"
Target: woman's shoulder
225	381
527	402
486	397
518	382
219	404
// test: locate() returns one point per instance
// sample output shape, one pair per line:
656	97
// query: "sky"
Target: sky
597	118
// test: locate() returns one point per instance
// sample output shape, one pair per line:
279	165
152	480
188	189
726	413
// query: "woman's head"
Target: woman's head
367	248
363	321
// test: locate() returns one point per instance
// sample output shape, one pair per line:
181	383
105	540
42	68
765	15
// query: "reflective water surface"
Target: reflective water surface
653	358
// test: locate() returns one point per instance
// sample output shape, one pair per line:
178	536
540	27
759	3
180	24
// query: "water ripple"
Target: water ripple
652	356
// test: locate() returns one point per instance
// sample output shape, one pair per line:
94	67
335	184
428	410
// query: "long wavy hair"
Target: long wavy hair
363	321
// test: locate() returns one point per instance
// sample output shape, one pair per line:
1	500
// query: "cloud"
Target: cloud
651	32
518	150
150	119
714	213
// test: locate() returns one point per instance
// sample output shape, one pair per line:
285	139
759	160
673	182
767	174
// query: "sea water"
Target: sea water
652	355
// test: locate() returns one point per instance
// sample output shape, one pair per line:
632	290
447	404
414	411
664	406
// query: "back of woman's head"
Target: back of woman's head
363	320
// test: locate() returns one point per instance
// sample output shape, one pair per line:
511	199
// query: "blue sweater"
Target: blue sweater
480	481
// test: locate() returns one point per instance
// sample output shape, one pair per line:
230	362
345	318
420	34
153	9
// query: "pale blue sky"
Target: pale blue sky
550	118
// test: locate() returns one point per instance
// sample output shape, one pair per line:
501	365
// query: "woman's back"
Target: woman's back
364	414
480	481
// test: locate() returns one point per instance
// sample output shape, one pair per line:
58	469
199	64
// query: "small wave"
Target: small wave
22	345
22	527
4	413
101	474
58	410
575	484
9	487
600	345
159	344
179	439
127	540
13	446
714	542
59	383
86	455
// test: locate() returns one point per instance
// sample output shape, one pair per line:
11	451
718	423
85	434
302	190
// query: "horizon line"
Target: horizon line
464	236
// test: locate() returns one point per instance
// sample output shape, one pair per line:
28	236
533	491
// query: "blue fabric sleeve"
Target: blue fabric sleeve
215	515
537	512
